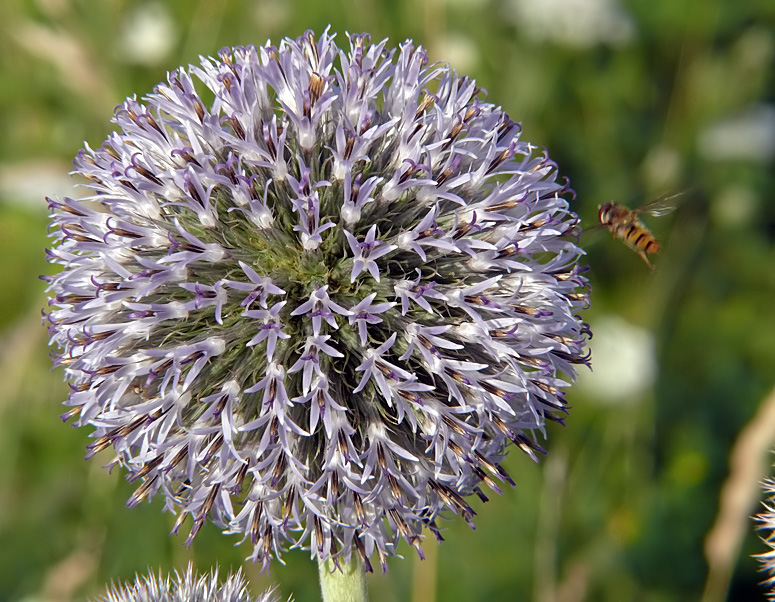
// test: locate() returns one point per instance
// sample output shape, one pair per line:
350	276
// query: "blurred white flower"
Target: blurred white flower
734	206
148	35
27	182
749	136
625	363
269	15
466	4
755	48
575	23
459	50
663	167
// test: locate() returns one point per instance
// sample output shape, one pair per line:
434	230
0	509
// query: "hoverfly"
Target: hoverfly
623	223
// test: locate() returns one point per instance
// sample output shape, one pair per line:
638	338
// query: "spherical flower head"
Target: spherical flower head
766	523
188	587
315	295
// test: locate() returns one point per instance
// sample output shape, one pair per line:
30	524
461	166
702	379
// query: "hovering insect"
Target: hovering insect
623	223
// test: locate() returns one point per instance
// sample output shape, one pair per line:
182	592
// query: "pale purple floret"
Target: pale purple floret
259	287
365	313
271	327
318	307
366	253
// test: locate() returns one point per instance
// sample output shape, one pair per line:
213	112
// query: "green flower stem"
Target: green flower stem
343	582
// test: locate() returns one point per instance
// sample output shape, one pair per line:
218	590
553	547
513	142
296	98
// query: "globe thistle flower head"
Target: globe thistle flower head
188	587
766	522
315	294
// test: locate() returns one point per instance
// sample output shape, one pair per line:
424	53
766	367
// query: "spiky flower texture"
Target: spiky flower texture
766	522
315	294
186	587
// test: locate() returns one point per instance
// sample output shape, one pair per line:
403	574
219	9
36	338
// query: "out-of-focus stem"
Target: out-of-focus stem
343	582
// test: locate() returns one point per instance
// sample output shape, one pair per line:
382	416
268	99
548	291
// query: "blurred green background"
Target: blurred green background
642	496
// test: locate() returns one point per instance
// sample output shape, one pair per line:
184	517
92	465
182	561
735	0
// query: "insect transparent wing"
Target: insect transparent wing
662	205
